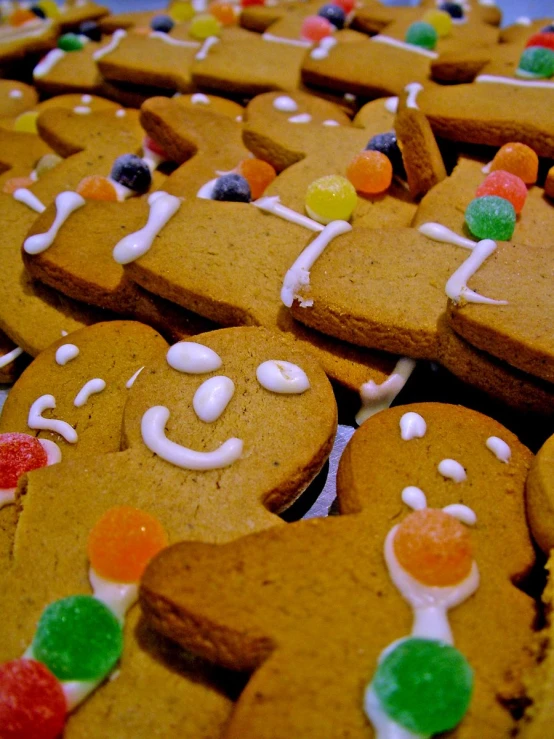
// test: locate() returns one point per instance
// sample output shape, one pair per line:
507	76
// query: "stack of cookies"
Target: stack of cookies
225	227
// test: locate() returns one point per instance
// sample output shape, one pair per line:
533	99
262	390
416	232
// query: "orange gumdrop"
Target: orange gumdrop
434	547
15	183
96	187
224	12
518	159
122	543
21	16
258	174
370	172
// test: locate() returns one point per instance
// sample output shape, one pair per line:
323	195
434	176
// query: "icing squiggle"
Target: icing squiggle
66	203
376	397
111	46
205	48
10	357
381	39
272	204
153	434
493	79
456	287
36	420
131	247
89	388
298	275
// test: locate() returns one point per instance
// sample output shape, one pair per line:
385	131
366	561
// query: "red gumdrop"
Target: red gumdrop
541	39
505	185
248	3
32	703
314	28
149	143
346	5
19	453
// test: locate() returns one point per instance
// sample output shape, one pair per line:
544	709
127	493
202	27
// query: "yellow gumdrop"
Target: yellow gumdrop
203	26
440	20
49	7
330	198
181	11
26	122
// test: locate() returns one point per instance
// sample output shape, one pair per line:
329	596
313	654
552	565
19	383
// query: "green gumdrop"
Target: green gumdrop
491	217
537	62
78	638
70	42
424	685
422	34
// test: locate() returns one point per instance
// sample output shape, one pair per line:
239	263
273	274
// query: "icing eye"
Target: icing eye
422	34
282	377
232	187
258	174
330	198
161	23
78	638
370	172
424	685
32	702
433	547
387	144
504	185
334	14
519	159
441	21
130	171
122	543
315	28
212	397
491	217
193	358
536	62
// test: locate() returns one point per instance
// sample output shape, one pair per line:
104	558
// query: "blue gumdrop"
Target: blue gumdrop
129	170
334	14
387	144
162	23
232	187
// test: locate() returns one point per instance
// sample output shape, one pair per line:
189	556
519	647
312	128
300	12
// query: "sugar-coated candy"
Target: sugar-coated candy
129	170
548	29
334	14
224	12
542	39
78	638
91	30
96	187
15	183
258	174
433	547
38	11
505	185
441	21
19	453
122	543
346	5
70	42
387	144
491	217
421	34
232	187
330	198
46	163
424	685
519	159
162	23
370	172
181	11
314	28
454	10
204	25
50	7
32	703
536	62
21	16
26	122
249	3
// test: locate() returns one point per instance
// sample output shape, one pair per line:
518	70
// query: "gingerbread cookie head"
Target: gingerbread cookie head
211	463
271	599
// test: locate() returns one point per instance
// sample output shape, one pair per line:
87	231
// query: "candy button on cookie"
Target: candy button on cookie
491	217
536	62
370	172
316	27
424	685
232	187
441	20
504	185
131	171
519	159
330	198
21	453
32	703
433	547
334	14
422	34
258	174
